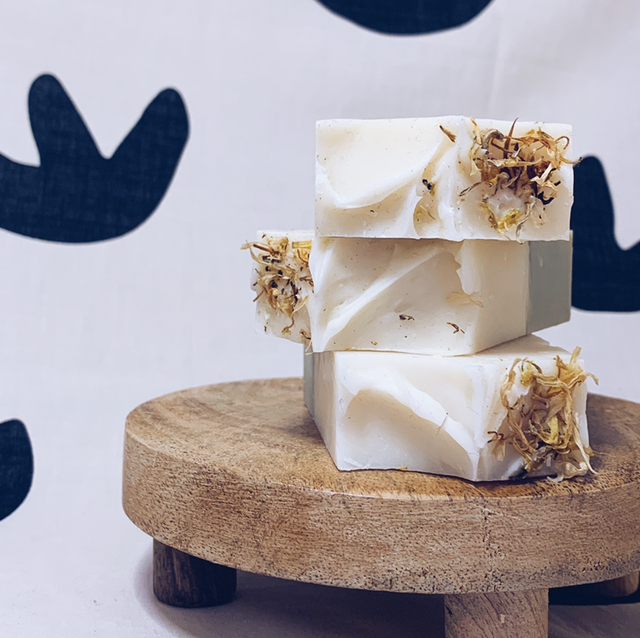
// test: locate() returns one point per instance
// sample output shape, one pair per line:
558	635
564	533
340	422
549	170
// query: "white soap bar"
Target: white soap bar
448	177
434	296
282	283
448	415
427	296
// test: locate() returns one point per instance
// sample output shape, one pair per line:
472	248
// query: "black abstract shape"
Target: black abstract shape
76	194
605	277
16	466
407	17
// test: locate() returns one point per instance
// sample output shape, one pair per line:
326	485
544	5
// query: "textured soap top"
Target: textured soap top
449	177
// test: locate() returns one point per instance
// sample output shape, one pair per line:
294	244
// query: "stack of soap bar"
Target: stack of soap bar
452	178
440	244
448	415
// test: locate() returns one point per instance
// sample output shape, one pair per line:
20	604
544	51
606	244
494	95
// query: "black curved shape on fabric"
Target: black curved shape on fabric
407	17
16	466
605	277
76	195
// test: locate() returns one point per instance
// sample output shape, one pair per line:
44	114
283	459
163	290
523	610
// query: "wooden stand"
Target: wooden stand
237	475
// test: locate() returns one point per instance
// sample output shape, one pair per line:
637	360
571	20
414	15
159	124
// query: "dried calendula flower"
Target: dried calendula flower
524	168
541	424
282	276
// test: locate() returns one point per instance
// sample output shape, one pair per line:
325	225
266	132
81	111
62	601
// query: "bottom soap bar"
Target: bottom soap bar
515	410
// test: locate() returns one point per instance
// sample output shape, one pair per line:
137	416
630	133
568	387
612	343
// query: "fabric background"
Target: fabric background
141	144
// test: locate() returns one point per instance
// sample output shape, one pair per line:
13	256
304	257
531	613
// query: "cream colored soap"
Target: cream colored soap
447	177
433	296
426	296
447	415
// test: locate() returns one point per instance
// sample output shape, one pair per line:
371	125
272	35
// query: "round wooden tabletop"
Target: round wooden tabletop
237	474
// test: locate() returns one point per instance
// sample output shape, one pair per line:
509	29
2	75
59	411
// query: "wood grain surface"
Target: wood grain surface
511	614
182	580
237	474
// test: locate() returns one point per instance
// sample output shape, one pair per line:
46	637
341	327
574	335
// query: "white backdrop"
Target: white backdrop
90	331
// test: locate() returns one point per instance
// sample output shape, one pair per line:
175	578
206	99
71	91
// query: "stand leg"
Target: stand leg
615	588
182	580
521	614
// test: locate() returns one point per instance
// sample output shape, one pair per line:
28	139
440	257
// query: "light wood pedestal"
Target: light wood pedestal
237	475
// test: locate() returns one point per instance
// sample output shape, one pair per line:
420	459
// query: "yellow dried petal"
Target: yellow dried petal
282	267
525	165
541	424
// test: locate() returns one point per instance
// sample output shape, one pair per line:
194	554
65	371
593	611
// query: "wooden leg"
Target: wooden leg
615	588
521	614
182	580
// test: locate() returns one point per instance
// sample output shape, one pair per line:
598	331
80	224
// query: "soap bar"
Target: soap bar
426	296
282	283
434	296
447	177
516	410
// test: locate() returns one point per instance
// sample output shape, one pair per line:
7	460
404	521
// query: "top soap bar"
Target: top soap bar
451	178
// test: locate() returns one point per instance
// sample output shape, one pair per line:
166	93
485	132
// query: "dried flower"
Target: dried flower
283	266
456	328
449	134
526	166
422	211
542	424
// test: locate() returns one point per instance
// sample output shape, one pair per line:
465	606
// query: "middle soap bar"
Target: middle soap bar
434	296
